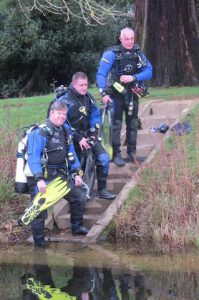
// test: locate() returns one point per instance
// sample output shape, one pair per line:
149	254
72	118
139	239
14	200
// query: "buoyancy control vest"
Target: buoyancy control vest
127	62
55	147
79	112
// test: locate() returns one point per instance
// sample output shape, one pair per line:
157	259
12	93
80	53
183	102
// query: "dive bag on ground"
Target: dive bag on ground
21	185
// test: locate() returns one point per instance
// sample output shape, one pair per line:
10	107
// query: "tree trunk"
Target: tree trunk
29	85
168	32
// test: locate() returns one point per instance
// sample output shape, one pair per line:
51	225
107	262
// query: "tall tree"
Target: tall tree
168	31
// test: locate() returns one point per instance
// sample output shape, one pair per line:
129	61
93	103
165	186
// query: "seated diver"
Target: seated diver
56	141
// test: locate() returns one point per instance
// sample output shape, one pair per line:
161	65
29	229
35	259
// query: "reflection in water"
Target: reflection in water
75	277
86	283
91	283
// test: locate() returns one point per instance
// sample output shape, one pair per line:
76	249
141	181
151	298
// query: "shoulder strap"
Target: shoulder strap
92	99
45	130
142	58
67	133
115	49
136	47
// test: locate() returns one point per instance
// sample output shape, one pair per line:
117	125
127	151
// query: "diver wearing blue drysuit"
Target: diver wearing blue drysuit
126	65
84	117
51	154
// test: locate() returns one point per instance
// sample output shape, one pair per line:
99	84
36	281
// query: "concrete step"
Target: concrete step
63	221
125	172
146	136
163	108
141	151
144	150
114	184
58	235
60	208
156	121
103	202
95	206
62	236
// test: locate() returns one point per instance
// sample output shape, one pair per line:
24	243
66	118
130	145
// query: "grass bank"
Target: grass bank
163	209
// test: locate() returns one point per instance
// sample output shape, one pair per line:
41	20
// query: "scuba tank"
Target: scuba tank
22	168
21	185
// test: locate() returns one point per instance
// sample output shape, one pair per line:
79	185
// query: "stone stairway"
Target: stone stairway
99	212
58	222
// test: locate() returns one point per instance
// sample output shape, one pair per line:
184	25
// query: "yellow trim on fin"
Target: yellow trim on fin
55	191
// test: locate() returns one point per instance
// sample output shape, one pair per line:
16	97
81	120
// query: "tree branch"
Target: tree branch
89	10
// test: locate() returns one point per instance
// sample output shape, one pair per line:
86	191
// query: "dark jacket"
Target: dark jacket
59	142
83	114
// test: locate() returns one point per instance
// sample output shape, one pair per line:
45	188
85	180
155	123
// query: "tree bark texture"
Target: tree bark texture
168	32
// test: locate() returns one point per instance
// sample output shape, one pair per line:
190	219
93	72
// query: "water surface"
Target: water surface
73	271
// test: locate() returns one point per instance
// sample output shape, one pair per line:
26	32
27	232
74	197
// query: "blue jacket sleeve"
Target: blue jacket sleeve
105	66
95	117
36	144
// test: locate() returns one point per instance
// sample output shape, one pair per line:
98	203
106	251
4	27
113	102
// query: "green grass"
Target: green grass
19	112
164	93
173	92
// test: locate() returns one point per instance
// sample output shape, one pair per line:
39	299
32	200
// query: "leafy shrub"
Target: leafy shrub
10	88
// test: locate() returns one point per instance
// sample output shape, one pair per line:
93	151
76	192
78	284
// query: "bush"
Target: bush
11	88
7	159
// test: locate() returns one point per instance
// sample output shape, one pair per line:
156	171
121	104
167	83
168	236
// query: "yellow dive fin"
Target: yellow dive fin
44	292
55	191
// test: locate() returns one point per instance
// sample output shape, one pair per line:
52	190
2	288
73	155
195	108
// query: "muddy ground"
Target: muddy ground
10	232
